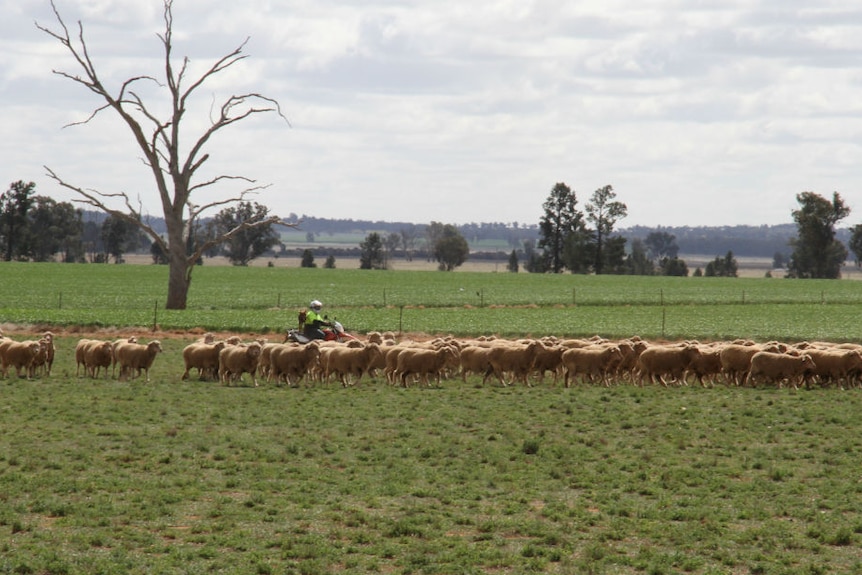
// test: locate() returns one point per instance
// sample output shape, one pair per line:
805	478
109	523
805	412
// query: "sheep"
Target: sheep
97	355
203	357
548	358
374	337
835	365
591	361
655	362
705	365
736	359
80	355
292	362
631	350
476	359
390	359
234	360
344	361
114	344
424	363
136	356
40	361
776	367
18	354
514	359
50	351
263	362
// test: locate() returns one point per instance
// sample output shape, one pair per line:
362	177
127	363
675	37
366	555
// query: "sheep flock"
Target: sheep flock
383	358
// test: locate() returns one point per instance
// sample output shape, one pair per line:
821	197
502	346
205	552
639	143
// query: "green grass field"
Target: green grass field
264	300
103	476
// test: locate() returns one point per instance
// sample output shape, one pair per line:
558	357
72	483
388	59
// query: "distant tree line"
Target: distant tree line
38	228
584	241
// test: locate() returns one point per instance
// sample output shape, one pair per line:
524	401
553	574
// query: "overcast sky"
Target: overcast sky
697	112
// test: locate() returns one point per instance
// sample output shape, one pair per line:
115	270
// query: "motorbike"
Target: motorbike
335	333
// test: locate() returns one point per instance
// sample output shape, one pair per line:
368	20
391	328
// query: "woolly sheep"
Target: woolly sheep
595	361
234	360
424	363
17	354
656	362
97	355
291	363
548	358
840	366
345	362
136	356
736	359
203	357
114	344
774	368
476	359
516	360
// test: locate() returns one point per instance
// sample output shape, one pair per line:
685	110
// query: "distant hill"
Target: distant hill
743	241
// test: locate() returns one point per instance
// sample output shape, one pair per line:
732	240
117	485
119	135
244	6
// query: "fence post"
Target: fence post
155	314
663	320
400	320
60	301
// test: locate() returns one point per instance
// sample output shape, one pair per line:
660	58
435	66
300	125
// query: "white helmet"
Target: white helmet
316	305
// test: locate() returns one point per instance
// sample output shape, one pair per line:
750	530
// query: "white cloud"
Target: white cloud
703	113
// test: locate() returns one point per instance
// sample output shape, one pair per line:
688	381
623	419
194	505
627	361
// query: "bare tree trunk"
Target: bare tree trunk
179	270
179	281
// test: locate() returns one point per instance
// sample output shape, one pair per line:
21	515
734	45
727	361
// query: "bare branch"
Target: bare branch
195	210
246	225
222	63
221	178
97	199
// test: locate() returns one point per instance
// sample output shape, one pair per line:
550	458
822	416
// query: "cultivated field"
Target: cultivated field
171	476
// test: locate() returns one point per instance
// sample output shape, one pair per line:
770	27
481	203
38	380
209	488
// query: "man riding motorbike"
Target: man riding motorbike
314	321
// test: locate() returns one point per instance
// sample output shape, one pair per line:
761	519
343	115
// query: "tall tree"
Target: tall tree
409	236
54	227
604	212
371	255
614	255
14	206
638	262
392	241
307	260
450	249
534	263
855	243
174	167
119	236
250	243
561	218
661	245
816	252
726	267
512	265
579	251
673	267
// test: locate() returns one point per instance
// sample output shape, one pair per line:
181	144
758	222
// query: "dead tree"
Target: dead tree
159	140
